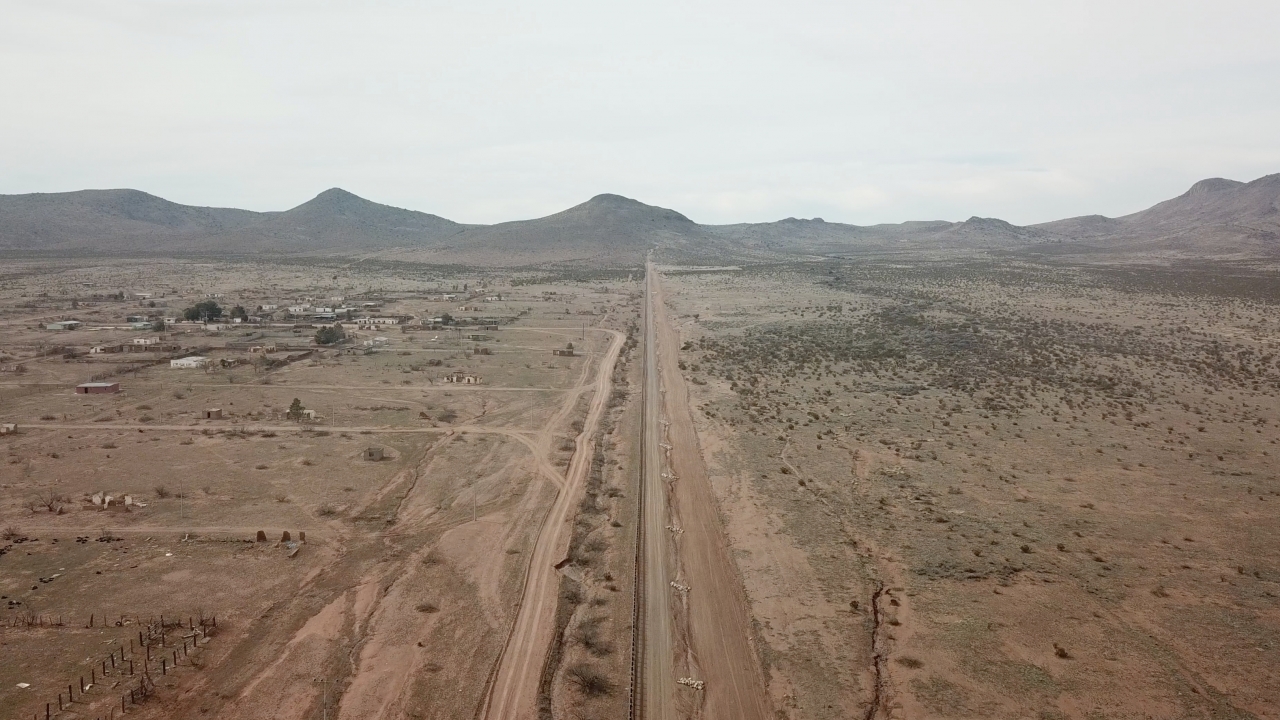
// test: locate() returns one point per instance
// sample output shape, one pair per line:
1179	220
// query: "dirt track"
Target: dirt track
513	692
653	695
714	611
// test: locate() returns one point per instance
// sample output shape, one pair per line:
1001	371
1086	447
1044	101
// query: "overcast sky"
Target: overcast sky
726	111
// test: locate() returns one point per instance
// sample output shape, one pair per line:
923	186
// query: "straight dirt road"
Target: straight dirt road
717	619
653	695
513	694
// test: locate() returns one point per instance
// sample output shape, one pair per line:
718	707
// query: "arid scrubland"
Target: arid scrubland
400	508
992	488
951	487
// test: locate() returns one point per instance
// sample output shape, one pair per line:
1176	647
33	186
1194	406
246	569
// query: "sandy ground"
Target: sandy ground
931	522
514	690
401	600
709	604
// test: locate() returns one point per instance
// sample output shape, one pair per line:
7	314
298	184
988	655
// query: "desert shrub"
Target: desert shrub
162	491
589	680
427	607
588	635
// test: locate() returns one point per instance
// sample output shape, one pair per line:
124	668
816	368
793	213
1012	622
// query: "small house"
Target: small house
478	337
8	428
563	352
308	414
213	414
463	378
97	388
64	325
146	341
193	362
373	453
104	349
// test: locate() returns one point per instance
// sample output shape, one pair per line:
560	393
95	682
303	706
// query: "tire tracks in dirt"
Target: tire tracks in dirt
716	623
513	688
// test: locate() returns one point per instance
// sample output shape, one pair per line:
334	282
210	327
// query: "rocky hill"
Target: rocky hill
1215	218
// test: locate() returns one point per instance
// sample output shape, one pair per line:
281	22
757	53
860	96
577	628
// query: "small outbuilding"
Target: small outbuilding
8	428
97	388
213	414
193	362
373	453
64	325
563	353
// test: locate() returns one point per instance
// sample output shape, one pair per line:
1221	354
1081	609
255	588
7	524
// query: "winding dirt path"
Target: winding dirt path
513	692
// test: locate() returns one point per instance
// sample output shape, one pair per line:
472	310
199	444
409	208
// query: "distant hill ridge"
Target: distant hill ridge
1214	218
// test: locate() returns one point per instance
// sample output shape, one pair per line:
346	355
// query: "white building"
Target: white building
146	341
193	362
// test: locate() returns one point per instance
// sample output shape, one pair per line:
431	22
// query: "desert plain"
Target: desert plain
877	484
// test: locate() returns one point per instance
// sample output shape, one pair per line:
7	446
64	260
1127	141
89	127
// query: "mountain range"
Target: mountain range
1215	218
